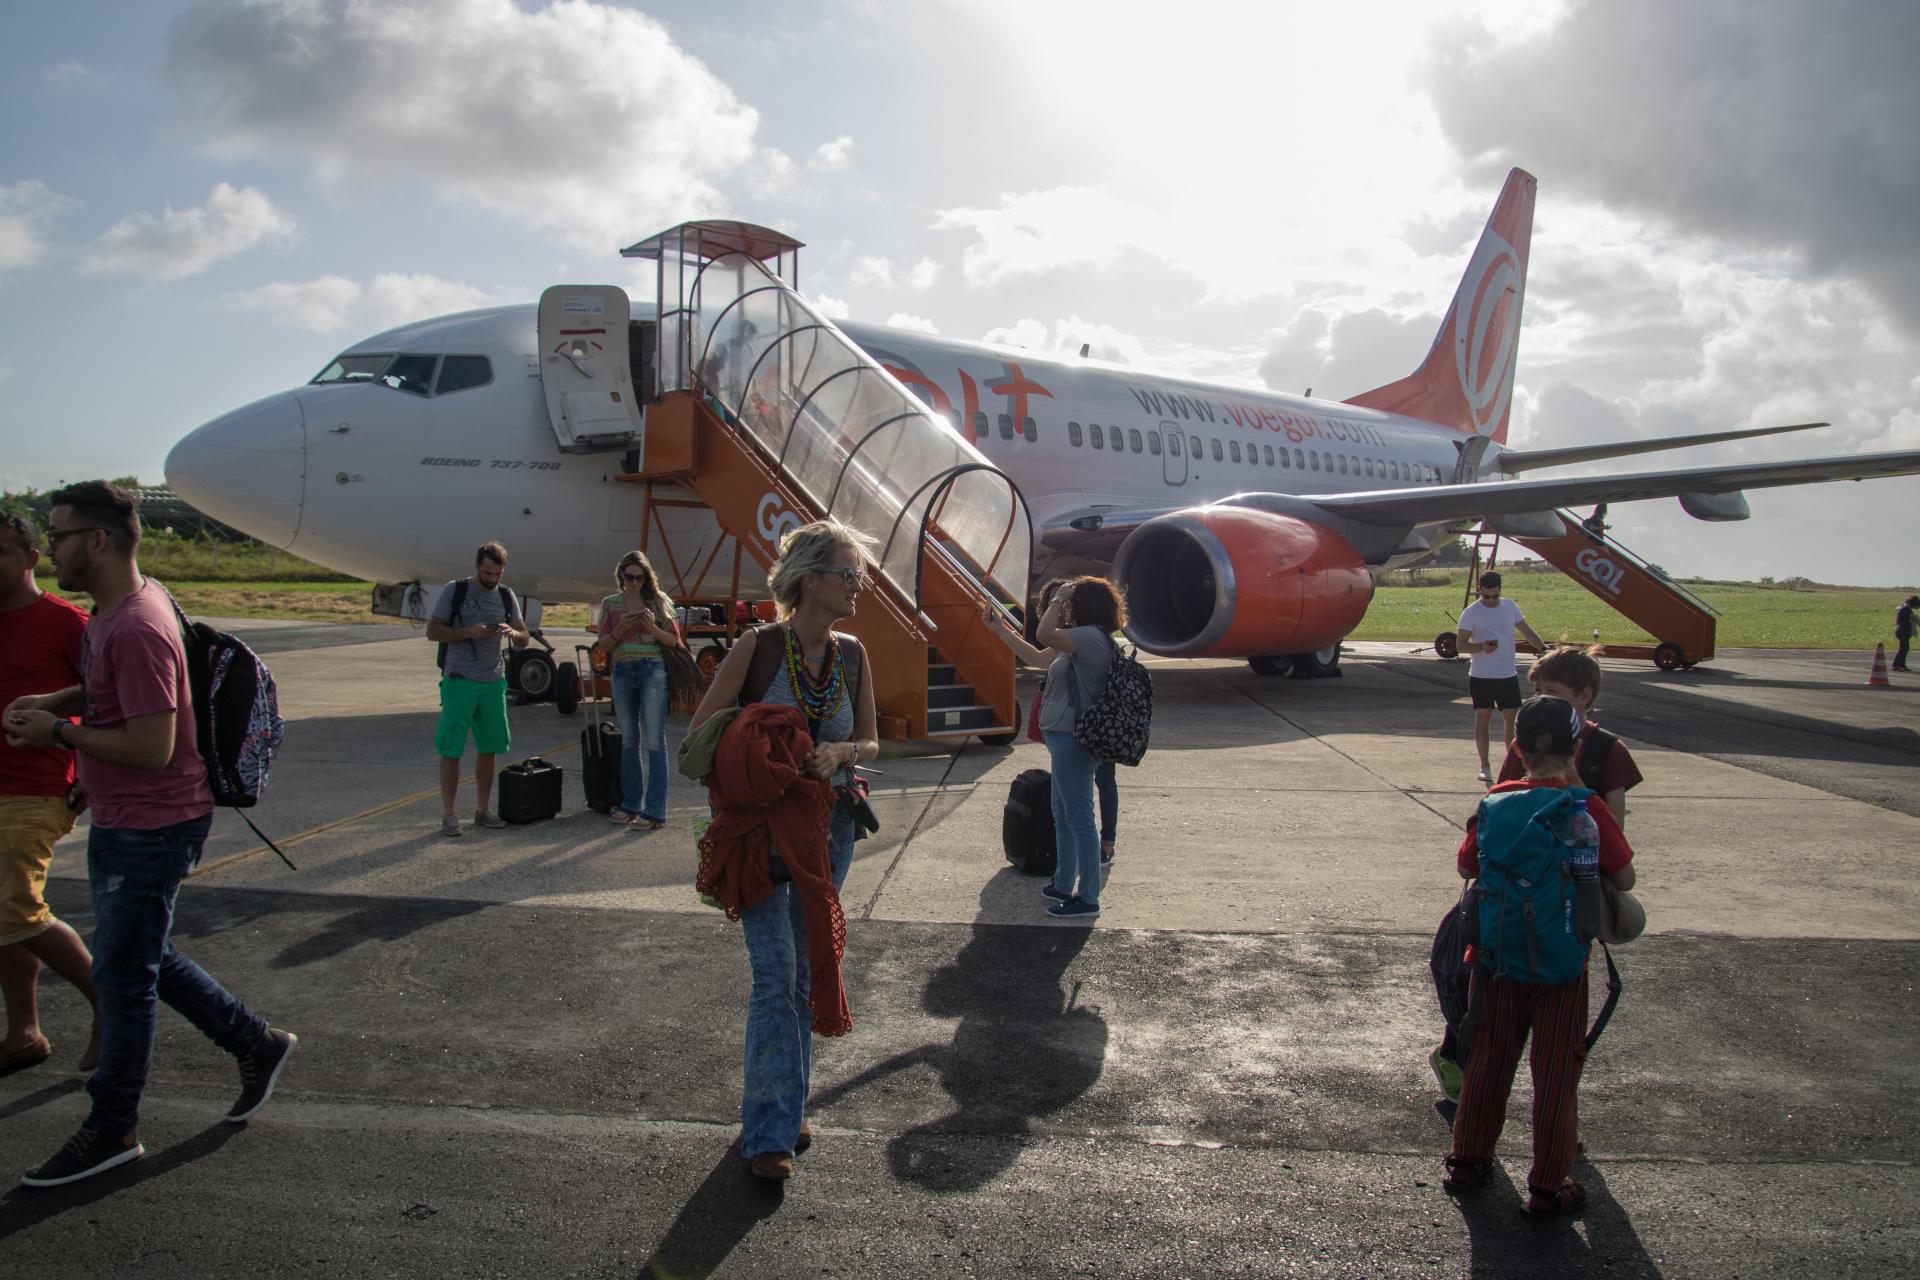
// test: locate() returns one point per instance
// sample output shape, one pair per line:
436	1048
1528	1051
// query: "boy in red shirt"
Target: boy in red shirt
1555	1015
39	649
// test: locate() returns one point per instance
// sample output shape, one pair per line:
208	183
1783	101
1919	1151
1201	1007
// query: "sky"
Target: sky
201	201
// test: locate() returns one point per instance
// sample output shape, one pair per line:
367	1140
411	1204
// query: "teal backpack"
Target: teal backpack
1523	902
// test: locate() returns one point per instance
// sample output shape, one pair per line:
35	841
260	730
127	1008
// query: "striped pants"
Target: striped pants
1557	1018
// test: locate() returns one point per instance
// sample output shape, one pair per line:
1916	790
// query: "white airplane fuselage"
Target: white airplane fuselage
397	485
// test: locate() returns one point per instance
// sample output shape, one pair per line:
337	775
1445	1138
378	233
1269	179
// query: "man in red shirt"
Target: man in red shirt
139	763
1554	1015
39	649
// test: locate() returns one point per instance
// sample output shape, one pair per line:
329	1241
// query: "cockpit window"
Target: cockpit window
410	373
353	369
402	372
457	373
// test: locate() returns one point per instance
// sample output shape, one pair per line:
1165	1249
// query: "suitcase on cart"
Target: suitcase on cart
530	791
599	742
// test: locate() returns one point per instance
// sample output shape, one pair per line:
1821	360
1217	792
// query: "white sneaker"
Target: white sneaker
1485	774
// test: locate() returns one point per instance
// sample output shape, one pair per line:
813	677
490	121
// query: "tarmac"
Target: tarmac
520	1049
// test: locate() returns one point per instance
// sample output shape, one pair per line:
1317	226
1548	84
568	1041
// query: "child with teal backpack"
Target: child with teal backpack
1530	956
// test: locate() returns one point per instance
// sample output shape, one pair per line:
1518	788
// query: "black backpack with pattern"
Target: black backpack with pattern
1116	725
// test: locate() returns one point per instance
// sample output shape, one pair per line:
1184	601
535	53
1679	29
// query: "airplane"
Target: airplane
1239	523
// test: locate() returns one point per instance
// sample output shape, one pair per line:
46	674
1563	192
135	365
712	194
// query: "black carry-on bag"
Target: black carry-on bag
600	742
1026	823
529	791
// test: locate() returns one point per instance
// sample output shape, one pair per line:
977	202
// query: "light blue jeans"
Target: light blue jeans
640	705
1076	831
779	1061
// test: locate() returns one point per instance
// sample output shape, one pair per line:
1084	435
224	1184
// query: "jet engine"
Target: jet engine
1234	582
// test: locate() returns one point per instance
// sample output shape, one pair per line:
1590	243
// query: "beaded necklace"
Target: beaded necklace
818	700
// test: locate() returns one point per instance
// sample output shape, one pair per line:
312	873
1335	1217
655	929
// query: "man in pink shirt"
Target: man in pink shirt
140	767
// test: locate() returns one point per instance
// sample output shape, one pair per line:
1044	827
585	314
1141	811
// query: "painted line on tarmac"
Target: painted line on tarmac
250	854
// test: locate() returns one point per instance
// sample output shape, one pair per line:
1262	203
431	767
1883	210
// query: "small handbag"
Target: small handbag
1033	712
685	685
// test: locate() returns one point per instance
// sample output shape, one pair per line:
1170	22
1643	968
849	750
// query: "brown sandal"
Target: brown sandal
1464	1174
1570	1198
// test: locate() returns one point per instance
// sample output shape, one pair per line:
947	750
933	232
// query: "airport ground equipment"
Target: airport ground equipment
1681	623
771	417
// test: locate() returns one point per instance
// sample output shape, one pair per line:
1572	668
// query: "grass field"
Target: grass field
1752	615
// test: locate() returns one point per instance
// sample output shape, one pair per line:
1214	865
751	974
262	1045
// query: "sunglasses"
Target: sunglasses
852	577
633	577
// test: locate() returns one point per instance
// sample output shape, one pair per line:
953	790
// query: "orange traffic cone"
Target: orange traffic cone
1877	678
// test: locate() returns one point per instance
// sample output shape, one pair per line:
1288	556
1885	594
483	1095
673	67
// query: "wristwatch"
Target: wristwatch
58	740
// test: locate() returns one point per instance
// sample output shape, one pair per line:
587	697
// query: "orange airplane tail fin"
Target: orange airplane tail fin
1466	381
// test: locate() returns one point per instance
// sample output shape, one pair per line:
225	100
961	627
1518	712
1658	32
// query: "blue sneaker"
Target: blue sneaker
1048	891
1077	909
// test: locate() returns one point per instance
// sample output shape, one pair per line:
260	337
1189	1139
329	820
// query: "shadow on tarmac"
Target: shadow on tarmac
720	1214
1504	1242
1022	1049
24	1207
41	1097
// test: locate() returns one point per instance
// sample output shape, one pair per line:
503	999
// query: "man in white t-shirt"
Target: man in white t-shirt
1487	630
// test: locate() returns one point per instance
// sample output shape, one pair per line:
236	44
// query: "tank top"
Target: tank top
837	727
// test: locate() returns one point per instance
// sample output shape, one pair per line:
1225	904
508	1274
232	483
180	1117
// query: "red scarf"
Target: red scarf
759	790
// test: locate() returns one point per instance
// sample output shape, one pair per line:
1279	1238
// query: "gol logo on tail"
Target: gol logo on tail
1600	569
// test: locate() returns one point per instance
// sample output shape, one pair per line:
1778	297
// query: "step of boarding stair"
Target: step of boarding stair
958	721
947	696
942	673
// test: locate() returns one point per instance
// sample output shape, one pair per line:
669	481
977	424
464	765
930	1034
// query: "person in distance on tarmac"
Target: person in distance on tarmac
1078	625
634	622
822	675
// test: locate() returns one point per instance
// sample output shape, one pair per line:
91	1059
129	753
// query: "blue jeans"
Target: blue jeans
779	1061
1076	834
134	877
640	705
1109	800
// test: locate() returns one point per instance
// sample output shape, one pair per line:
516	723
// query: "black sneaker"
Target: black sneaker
260	1071
87	1152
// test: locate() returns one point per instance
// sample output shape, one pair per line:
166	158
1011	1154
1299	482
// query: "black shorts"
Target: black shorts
1495	692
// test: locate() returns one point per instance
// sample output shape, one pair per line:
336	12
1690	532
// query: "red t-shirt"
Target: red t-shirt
39	653
133	665
1617	771
1615	852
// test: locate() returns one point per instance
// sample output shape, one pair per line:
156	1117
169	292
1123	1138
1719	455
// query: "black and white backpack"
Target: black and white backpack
1116	725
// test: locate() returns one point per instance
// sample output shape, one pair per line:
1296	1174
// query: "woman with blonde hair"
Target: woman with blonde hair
634	623
801	663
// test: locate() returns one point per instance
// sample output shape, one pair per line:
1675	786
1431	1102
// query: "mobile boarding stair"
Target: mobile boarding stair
1681	623
773	418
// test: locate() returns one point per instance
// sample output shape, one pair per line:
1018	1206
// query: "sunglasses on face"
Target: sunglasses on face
633	577
852	577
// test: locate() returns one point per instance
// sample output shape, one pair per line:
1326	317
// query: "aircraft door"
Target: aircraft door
1174	455
586	368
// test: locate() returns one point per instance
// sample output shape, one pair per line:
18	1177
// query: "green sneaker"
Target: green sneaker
1447	1072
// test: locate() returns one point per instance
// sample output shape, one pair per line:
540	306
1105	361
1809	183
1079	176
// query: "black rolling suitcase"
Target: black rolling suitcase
529	791
599	742
1026	824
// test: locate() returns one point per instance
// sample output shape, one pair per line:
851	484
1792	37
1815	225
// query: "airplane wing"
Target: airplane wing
1435	504
1514	461
1100	530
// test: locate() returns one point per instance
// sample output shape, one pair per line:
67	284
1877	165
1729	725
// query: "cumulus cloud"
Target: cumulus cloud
1766	122
25	209
185	242
1342	354
1038	231
832	157
924	274
830	307
911	323
583	120
872	269
336	304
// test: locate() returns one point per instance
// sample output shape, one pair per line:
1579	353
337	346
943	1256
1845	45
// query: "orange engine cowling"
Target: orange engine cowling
1233	582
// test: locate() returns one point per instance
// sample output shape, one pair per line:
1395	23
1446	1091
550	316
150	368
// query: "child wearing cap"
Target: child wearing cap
1554	1015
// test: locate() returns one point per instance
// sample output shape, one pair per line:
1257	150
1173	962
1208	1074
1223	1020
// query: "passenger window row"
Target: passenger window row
1114	439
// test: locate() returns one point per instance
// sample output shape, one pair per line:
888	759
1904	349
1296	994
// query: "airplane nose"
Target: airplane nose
247	468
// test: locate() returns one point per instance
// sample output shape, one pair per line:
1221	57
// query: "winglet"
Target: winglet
1466	381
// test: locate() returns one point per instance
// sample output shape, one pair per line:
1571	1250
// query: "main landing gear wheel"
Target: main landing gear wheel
532	674
1670	657
1323	664
1271	665
1447	644
1008	738
566	688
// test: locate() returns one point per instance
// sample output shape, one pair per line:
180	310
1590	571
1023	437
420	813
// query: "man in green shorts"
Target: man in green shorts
473	681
